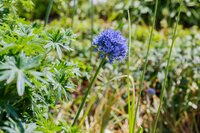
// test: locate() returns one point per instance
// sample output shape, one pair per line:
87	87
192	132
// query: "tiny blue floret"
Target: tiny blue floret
151	91
112	44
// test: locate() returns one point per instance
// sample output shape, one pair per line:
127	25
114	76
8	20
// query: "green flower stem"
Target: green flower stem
88	90
167	69
145	65
48	12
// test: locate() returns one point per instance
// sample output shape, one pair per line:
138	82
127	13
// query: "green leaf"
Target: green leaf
20	83
11	111
21	71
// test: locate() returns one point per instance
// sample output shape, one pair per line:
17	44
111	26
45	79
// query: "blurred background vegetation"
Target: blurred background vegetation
141	11
107	104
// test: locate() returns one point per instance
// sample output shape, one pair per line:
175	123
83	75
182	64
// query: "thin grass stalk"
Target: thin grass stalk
72	23
73	13
145	65
49	7
92	24
132	106
128	72
131	103
87	92
133	93
129	42
167	68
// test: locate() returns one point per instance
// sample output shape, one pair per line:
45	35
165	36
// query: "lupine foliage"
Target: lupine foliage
34	75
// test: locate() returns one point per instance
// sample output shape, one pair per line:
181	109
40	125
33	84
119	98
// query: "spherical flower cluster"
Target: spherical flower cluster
151	91
112	44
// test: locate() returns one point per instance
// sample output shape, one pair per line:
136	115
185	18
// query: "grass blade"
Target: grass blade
92	25
167	69
145	65
73	13
48	12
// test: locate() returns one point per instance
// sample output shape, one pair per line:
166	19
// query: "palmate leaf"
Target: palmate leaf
58	40
5	47
19	70
13	126
59	79
20	82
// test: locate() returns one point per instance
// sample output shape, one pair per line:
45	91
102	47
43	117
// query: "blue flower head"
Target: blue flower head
151	91
112	44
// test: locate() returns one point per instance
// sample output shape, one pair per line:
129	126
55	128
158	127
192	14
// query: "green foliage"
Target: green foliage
13	127
183	84
19	70
13	6
37	77
33	79
49	126
141	11
57	40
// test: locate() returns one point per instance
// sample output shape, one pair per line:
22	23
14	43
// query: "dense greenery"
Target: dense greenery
141	11
44	71
35	75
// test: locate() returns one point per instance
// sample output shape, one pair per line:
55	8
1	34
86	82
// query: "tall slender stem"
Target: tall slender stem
92	25
72	22
145	65
50	3
128	73
73	13
87	92
167	68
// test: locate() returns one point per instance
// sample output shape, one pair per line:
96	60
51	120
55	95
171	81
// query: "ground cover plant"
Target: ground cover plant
99	66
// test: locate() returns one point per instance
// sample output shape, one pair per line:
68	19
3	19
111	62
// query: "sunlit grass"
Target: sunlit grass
130	81
48	11
145	66
167	69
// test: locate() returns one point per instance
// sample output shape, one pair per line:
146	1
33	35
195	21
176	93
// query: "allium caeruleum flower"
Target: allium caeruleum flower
112	44
151	91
